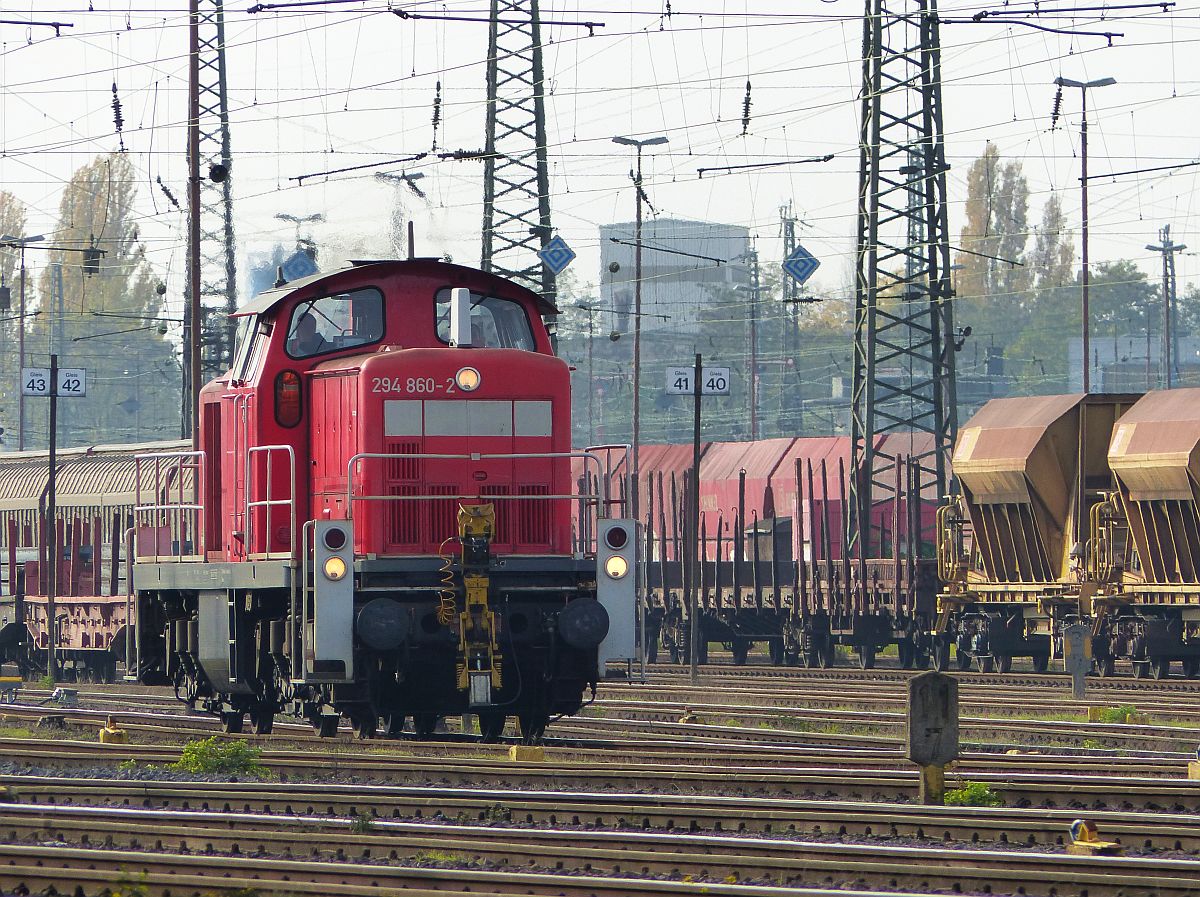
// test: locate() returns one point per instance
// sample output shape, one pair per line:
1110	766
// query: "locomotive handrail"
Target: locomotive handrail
175	510
599	501
269	502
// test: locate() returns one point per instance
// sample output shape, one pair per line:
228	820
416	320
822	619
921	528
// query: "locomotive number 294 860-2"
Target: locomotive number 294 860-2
422	385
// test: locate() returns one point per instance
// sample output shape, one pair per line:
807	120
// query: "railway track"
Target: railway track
645	809
389	854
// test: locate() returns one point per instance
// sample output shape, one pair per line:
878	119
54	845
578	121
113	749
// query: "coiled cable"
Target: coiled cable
447	608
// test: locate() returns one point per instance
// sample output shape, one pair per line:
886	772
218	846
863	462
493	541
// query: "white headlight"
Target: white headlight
616	567
468	379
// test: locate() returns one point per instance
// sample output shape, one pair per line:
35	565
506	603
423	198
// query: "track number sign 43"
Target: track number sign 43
713	381
36	382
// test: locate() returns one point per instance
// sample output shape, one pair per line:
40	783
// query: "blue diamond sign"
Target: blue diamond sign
557	255
800	265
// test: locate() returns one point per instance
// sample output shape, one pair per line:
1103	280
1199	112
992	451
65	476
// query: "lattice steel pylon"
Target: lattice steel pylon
903	318
516	180
218	264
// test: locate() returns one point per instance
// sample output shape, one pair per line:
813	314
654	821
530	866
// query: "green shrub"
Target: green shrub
214	756
1116	714
973	794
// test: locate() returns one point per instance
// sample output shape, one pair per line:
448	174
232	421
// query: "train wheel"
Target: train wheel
777	650
424	724
231	722
866	657
395	724
1004	663
1041	663
809	658
1191	667
905	652
365	724
964	660
533	727
1106	666
491	726
1141	669
1160	667
941	657
986	664
327	726
262	721
741	651
828	653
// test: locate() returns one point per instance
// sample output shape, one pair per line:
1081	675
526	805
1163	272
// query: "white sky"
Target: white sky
325	88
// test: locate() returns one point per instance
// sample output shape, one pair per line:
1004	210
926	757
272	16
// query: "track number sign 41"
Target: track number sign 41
36	382
713	381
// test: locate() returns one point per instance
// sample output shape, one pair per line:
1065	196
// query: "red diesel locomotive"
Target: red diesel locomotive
383	528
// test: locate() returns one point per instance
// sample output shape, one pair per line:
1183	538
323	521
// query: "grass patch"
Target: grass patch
47	682
433	855
973	794
362	824
1117	714
213	756
16	732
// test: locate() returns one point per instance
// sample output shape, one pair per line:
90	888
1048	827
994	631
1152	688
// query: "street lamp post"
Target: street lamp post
1083	88
635	467
21	243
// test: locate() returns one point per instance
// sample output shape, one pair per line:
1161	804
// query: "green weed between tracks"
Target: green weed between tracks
973	794
215	756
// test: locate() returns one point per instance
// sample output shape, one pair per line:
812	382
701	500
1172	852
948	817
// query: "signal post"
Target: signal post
52	382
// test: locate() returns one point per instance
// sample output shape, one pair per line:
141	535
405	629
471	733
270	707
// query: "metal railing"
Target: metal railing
161	511
268	503
600	501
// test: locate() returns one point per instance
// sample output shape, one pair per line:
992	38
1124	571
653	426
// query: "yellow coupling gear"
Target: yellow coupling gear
479	659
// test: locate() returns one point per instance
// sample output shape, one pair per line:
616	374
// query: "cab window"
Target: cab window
495	323
332	323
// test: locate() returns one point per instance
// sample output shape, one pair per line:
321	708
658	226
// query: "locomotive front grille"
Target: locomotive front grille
533	517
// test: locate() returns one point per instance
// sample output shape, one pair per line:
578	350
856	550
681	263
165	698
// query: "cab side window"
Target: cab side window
495	323
332	323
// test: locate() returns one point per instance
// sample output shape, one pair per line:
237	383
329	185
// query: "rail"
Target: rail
162	514
268	503
599	501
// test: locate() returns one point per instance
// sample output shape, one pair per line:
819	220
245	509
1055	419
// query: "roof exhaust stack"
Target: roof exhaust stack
460	317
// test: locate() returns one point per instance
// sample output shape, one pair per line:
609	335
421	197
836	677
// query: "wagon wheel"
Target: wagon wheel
906	653
964	660
1191	667
327	726
395	724
424	724
1041	663
777	650
491	726
231	721
1141	669
365	723
741	651
262	720
1107	666
866	657
1160	667
1003	663
828	654
533	727
941	657
986	663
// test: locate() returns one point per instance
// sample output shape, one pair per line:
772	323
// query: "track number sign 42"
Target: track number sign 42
36	382
713	381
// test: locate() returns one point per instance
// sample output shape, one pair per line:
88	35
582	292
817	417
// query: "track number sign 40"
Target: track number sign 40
713	381
36	382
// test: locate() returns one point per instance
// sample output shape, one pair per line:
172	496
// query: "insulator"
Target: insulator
746	110
437	112
167	192
1057	108
5	298
118	118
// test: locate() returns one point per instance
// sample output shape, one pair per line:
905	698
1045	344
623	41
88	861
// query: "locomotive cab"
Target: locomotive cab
387	513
